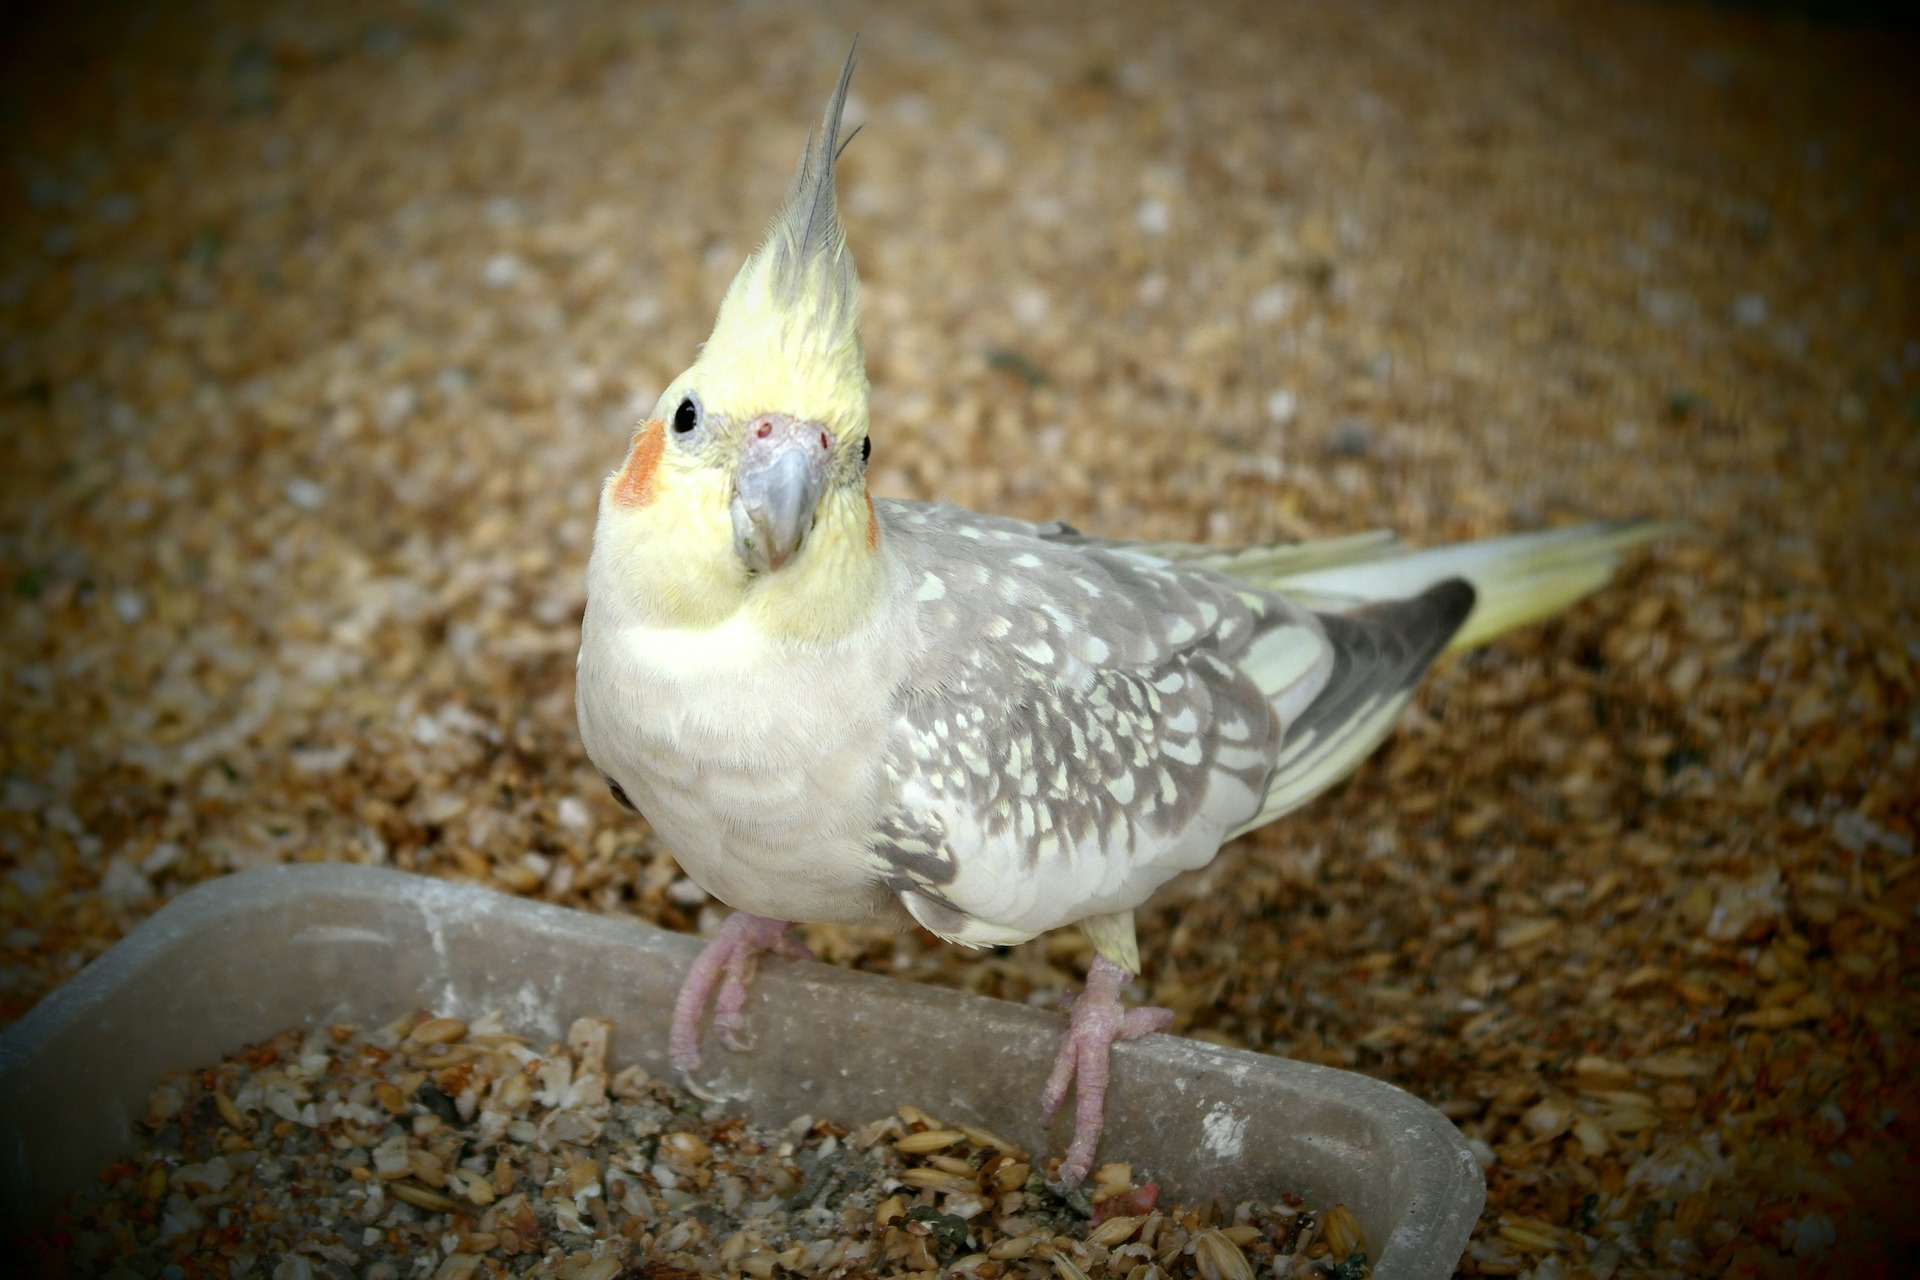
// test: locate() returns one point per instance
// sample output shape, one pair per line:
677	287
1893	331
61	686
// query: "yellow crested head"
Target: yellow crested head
746	489
788	332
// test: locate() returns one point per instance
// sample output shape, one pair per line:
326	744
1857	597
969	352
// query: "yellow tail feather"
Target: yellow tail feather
1519	579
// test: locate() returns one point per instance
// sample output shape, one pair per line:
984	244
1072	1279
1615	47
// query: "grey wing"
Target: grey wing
947	516
1259	564
1088	721
1380	652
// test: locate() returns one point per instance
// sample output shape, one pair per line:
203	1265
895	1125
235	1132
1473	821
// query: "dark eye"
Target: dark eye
686	417
866	449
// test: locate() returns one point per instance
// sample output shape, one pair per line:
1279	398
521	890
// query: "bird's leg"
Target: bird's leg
1099	1021
728	962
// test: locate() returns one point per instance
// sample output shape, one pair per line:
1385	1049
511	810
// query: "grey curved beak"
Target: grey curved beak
781	474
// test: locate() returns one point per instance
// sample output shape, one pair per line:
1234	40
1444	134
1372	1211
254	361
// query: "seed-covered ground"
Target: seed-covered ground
320	326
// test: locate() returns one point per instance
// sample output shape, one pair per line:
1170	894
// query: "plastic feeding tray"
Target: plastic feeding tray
240	958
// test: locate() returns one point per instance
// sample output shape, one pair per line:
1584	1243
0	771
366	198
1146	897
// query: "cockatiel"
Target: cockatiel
838	709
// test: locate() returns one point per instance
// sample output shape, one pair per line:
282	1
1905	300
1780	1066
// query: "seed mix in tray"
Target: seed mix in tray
433	1147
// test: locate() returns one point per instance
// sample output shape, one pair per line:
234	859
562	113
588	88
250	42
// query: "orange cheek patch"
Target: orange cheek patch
633	487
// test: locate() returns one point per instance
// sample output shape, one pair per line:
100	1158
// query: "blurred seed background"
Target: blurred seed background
320	326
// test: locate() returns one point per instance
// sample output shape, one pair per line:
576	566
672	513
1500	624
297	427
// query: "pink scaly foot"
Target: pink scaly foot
729	962
1099	1022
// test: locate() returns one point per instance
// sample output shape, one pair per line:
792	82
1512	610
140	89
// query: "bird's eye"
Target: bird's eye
866	449
686	417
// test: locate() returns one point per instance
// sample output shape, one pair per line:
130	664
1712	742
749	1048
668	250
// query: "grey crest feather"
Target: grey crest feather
805	245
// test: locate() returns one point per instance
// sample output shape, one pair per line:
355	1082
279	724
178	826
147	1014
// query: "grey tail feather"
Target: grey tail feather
1384	647
1380	652
1422	625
